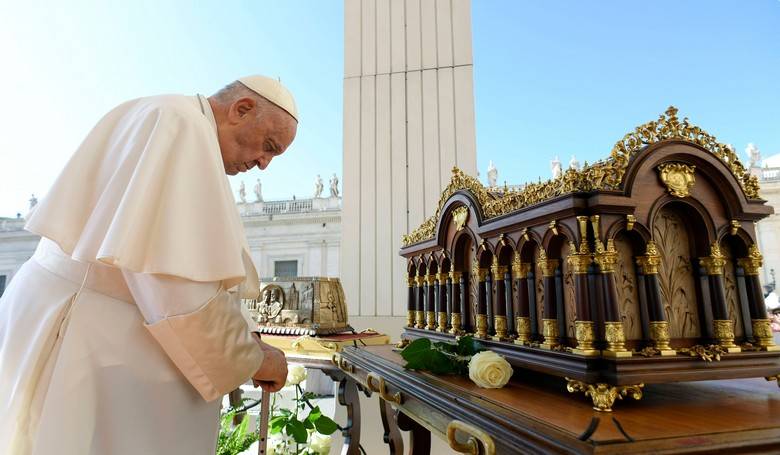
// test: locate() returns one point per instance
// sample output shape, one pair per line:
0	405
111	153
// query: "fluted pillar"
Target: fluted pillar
659	326
606	258
722	325
522	309
441	302
419	316
499	306
411	303
480	274
762	329
430	301
584	327
457	303
550	333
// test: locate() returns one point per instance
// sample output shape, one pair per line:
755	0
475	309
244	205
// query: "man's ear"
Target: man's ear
241	107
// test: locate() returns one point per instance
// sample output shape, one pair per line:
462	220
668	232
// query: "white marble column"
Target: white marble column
408	119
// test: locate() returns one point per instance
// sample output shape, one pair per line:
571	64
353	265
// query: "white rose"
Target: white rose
295	375
319	443
489	370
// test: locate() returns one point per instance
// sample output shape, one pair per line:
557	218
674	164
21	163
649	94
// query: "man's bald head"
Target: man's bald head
251	129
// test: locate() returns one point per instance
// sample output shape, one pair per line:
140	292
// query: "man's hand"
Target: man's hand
273	371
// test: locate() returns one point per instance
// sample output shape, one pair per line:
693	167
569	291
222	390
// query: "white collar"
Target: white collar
205	107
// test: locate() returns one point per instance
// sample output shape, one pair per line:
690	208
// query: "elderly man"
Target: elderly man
124	330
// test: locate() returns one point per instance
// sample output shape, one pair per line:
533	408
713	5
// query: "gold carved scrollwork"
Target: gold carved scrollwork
735	225
616	339
546	266
678	178
456	324
753	262
550	333
459	217
482	326
715	262
585	335
579	262
523	326
606	258
659	333
762	331
651	260
724	333
479	442
604	395
602	175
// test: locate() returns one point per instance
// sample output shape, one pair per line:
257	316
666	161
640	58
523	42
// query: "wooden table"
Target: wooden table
534	413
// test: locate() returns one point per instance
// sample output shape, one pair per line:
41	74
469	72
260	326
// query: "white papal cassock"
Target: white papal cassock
122	332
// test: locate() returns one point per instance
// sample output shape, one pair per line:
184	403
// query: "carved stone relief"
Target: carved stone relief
626	288
678	291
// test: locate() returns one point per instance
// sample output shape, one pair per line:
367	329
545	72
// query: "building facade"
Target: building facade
286	238
768	229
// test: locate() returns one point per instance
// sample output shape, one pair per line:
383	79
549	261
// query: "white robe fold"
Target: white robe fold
81	370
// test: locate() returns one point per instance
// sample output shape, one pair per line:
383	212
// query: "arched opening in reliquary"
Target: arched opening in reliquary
562	292
534	287
681	237
482	292
630	288
735	289
462	257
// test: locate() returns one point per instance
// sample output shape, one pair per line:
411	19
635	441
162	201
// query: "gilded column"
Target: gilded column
457	303
606	258
441	302
659	326
499	308
481	317
584	327
410	301
523	318
762	329
420	312
722	325
430	301
549	312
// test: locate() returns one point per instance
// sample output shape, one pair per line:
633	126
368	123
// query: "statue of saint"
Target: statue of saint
318	186
754	155
242	192
492	174
258	191
555	167
33	201
271	306
574	163
334	186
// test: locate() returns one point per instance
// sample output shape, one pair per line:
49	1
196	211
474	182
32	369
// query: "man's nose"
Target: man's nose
263	163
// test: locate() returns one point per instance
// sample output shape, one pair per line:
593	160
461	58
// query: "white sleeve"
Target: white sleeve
201	328
162	296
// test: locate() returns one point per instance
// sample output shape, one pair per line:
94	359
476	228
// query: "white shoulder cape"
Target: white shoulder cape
147	192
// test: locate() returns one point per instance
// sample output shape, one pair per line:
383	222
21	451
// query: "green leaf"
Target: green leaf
277	423
439	363
296	429
445	347
468	346
415	348
325	425
285	412
314	414
308	424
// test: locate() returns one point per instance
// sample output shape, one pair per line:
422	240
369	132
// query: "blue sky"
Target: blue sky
551	77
